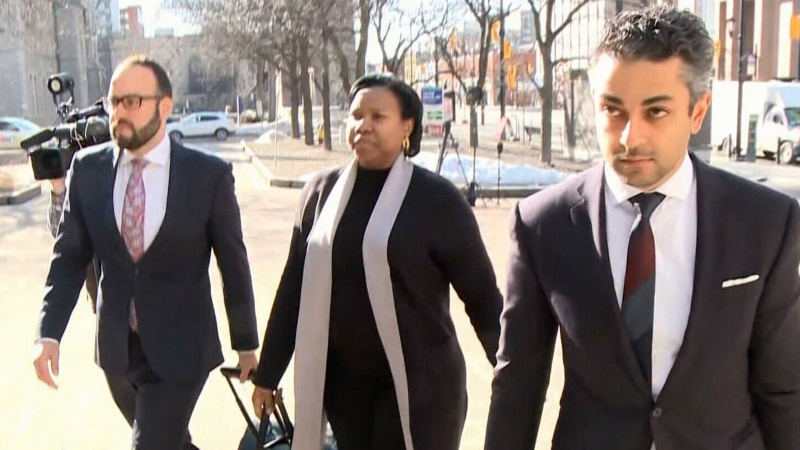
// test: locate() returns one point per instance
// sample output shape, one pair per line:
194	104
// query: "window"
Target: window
5	126
208	118
793	116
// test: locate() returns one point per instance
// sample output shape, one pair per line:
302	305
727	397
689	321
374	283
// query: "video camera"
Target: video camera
76	129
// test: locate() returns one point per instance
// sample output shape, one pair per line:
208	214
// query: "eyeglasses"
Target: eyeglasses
129	102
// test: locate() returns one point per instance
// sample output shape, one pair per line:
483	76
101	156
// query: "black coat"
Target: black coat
177	324
435	242
736	381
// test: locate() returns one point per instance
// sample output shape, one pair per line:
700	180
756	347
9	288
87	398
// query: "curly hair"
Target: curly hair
660	32
410	103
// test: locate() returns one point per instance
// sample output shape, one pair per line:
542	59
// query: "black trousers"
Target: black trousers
363	412
158	412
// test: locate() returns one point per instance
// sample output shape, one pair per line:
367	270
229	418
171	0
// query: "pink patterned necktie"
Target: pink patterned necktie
133	221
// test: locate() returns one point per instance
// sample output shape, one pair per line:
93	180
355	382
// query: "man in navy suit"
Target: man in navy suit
674	285
151	211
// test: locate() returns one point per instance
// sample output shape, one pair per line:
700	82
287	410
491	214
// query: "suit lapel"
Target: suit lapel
589	216
710	245
107	177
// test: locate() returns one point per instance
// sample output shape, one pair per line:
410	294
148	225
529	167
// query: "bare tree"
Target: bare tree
546	33
342	60
340	34
395	43
455	57
326	93
484	15
238	29
275	31
364	11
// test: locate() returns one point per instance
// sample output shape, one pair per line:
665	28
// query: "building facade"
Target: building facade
37	39
27	58
766	37
107	22
201	79
130	22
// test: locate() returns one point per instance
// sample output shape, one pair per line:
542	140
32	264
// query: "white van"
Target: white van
770	118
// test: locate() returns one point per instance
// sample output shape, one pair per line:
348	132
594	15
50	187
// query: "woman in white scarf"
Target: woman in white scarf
364	297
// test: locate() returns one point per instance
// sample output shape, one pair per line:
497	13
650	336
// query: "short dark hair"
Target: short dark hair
657	33
410	103
162	78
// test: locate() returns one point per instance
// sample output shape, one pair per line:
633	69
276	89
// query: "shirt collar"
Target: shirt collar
159	155
677	186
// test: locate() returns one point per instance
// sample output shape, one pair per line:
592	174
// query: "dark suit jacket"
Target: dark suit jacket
435	242
736	381
177	324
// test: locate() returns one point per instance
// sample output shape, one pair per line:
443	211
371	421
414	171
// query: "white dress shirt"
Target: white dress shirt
156	185
674	225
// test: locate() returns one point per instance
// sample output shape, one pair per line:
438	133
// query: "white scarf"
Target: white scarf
311	349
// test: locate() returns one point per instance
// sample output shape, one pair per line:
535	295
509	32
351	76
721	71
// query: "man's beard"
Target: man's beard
138	137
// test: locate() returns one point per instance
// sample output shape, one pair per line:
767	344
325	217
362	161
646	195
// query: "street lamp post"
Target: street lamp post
740	75
502	62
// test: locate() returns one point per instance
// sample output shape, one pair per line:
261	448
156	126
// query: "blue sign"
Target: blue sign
432	95
526	30
433	105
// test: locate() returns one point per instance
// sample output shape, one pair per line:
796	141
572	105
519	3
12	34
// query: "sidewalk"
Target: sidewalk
81	414
16	178
291	162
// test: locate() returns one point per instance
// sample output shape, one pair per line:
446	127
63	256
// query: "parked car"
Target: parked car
199	124
15	129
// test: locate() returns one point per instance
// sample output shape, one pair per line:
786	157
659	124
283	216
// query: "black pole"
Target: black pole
741	81
502	62
436	65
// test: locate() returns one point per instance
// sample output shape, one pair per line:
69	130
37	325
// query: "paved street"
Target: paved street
785	178
81	414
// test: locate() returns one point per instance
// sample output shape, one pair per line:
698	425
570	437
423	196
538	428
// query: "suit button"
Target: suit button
657	413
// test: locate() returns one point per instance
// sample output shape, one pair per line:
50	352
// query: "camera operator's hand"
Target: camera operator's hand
47	362
57	186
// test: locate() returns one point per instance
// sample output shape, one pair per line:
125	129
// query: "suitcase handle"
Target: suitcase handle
280	412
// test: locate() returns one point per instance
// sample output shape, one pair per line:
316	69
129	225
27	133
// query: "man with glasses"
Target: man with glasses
151	211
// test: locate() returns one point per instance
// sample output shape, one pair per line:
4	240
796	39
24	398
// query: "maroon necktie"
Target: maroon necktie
638	298
133	221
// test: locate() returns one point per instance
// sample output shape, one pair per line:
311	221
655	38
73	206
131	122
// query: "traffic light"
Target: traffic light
717	48
512	77
794	27
495	31
506	49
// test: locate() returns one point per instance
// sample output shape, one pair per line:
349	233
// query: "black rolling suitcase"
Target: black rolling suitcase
276	433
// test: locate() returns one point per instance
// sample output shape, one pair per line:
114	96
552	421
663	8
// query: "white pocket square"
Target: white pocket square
739	281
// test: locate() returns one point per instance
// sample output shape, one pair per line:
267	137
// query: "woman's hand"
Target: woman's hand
263	400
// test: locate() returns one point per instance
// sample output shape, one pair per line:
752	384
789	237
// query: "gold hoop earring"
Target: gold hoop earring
406	143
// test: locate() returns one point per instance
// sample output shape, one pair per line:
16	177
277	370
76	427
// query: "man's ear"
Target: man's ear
165	107
699	111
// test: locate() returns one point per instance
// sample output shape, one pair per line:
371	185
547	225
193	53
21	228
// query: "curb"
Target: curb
22	195
290	183
505	192
262	168
286	183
